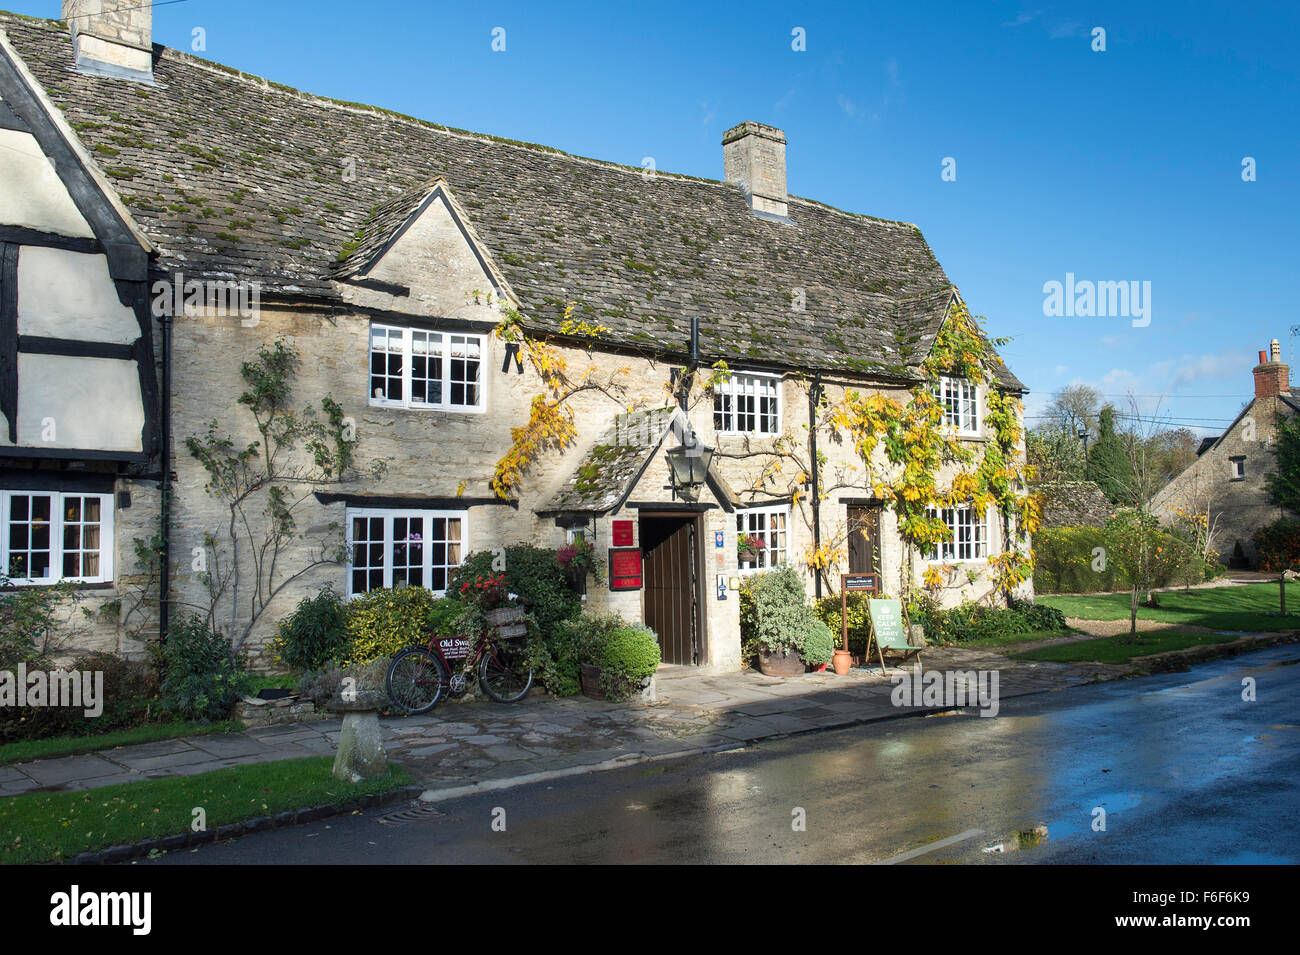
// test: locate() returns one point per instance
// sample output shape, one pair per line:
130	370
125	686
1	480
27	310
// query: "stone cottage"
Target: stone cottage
1227	480
166	221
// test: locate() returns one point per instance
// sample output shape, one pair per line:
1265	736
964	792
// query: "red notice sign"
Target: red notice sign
624	568
621	532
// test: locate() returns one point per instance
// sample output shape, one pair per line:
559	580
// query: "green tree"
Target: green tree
1055	454
1144	555
1108	461
1284	485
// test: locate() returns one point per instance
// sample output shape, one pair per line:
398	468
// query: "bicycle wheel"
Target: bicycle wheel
416	680
505	673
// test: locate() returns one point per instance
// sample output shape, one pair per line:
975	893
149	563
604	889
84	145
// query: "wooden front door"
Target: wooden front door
671	586
864	540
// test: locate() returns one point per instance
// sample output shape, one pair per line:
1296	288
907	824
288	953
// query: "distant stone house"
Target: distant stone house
385	251
1227	481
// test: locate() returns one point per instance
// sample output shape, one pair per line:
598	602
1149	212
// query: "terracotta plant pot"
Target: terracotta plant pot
817	668
784	664
842	661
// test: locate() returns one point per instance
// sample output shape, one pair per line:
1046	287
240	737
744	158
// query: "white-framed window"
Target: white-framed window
50	536
1238	466
969	529
398	548
419	368
769	530
960	400
747	404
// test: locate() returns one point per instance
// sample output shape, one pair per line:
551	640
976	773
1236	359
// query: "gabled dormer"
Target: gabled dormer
419	254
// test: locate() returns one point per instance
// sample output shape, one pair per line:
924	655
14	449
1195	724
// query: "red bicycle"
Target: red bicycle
418	676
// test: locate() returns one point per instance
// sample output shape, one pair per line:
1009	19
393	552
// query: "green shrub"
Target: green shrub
774	613
381	622
573	642
1064	562
315	633
818	643
1277	545
971	621
630	656
446	617
532	573
827	610
202	679
29	621
130	698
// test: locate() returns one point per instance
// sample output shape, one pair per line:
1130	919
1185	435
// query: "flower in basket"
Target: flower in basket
577	559
486	592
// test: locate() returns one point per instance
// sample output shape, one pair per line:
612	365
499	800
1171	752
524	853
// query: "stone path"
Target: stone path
470	742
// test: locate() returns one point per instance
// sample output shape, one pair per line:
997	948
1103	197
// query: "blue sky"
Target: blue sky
1122	165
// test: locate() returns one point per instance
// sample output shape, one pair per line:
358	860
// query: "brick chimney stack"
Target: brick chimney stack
1272	377
112	37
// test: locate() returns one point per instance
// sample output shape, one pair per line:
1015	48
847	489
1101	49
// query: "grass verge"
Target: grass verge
24	750
1123	648
1003	640
39	827
1252	608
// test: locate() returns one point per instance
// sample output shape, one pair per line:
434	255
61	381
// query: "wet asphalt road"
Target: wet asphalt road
1186	771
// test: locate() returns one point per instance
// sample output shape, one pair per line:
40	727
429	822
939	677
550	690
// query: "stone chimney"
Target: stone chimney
753	157
1272	377
112	37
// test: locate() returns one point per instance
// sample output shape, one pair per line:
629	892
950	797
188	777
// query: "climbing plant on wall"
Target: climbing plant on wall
917	446
261	486
550	425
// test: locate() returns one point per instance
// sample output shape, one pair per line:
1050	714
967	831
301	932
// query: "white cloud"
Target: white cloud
1230	366
1025	16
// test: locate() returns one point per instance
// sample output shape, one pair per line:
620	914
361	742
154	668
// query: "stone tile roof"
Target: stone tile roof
233	176
614	462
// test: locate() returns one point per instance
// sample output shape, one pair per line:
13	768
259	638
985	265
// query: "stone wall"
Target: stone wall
438	454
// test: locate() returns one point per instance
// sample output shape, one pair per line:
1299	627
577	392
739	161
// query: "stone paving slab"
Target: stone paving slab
65	769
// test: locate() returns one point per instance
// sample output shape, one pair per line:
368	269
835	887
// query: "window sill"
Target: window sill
92	585
445	409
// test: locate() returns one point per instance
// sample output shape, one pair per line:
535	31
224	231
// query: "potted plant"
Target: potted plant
617	660
776	618
818	645
628	663
747	548
576	561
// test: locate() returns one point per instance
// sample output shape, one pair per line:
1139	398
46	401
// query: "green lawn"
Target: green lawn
38	827
70	745
1123	648
1009	639
1252	608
